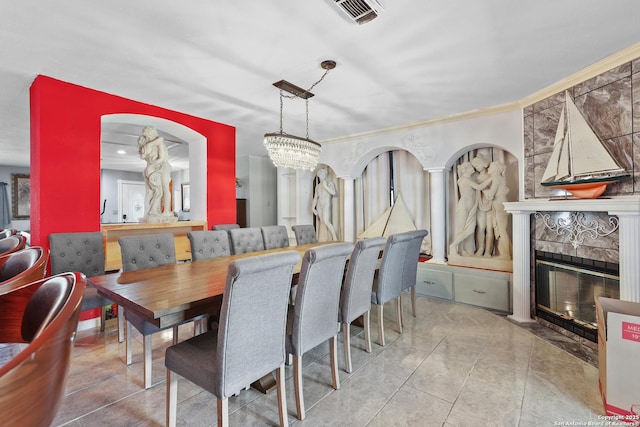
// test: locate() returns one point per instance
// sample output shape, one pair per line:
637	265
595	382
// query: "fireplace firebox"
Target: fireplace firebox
566	288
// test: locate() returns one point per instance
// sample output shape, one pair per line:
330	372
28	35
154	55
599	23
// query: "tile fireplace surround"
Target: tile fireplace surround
627	209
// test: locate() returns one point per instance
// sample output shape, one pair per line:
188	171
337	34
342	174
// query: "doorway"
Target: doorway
131	196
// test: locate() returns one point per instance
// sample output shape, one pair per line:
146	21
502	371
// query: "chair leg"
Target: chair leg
103	317
347	347
282	396
335	378
175	335
172	398
127	344
297	383
147	348
400	317
121	326
223	412
381	324
200	325
413	300
367	330
399	314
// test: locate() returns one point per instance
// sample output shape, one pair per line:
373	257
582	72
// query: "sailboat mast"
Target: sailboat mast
568	138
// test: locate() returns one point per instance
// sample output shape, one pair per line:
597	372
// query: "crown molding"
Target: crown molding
441	120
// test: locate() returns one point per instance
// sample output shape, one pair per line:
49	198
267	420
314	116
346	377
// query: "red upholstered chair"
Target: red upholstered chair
12	244
39	319
25	266
6	232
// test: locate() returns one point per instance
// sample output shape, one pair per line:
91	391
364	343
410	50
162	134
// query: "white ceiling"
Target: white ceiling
417	61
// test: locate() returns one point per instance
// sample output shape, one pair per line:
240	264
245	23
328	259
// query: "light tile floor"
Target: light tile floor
454	365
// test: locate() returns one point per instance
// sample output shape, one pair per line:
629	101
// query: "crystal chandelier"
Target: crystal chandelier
290	151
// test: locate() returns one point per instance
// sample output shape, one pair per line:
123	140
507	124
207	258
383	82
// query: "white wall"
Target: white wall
259	187
435	145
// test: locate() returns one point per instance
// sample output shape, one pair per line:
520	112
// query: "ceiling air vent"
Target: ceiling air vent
360	11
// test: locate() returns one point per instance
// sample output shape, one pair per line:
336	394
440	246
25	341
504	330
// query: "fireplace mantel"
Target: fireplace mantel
622	205
626	208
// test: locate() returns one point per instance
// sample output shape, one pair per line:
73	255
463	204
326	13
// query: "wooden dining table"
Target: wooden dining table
170	293
167	294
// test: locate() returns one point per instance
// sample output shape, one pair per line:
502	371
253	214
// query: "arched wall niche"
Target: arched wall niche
456	227
475	147
197	154
362	162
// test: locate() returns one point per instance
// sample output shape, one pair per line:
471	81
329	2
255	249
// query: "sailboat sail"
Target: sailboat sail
579	162
554	162
588	154
394	220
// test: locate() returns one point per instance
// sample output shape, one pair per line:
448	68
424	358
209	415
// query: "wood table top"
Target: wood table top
169	293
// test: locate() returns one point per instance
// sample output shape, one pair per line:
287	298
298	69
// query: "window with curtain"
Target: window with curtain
5	213
385	177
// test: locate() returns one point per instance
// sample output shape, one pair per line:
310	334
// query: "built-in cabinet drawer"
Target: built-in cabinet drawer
489	292
483	288
433	283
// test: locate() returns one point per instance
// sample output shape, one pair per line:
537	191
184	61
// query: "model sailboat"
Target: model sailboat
580	163
395	219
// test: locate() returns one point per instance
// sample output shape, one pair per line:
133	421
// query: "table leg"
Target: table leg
265	384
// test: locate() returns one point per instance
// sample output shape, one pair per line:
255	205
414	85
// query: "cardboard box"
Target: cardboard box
619	358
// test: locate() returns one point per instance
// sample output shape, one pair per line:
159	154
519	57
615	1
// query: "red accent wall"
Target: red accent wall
65	157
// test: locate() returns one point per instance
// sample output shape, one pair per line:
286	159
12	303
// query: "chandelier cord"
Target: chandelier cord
281	108
310	88
306	101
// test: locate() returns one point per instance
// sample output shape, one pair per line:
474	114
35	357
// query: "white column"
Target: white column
348	212
629	248
437	193
521	286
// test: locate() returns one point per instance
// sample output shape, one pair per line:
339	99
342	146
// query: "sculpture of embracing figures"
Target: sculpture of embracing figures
157	175
481	223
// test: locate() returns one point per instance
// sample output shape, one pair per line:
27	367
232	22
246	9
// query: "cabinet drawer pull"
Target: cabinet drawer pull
479	292
427	282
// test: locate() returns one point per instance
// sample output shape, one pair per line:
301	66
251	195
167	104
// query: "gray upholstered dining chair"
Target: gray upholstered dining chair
225	226
355	299
388	284
83	252
314	317
275	236
208	244
139	252
245	240
248	344
304	234
410	269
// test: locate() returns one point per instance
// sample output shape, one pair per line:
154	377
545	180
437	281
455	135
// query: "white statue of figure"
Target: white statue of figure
466	211
157	174
325	190
484	231
497	217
